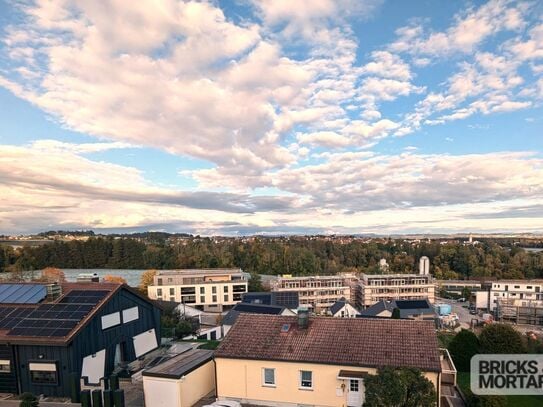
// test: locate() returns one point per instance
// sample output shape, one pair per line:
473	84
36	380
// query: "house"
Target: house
378	287
274	360
408	309
343	309
180	381
52	336
241	308
208	289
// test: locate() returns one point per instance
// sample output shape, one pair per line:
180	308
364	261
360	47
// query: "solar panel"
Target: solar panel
22	293
411	304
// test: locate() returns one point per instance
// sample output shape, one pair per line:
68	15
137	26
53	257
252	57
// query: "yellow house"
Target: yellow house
274	360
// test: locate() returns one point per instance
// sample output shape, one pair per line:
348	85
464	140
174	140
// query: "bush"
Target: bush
28	400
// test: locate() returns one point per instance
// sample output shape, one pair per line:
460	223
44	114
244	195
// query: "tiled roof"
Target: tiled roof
337	341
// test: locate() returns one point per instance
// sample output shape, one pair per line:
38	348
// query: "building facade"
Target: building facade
511	293
82	336
281	361
207	289
318	293
379	287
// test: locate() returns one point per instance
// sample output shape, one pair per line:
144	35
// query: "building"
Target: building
274	360
51	334
457	286
180	381
242	308
207	289
343	309
523	290
519	311
424	266
318	293
408	309
379	287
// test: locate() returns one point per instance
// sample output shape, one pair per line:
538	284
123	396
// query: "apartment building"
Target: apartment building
318	293
379	287
207	289
508	291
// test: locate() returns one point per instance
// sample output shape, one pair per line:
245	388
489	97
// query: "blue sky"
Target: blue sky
261	116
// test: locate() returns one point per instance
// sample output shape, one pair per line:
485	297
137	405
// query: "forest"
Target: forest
295	255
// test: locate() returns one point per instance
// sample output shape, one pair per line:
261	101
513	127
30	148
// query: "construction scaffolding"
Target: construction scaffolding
519	311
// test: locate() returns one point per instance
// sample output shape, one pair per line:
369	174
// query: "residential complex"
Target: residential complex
379	287
207	289
273	360
318	293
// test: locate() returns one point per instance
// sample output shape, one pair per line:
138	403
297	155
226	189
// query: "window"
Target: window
306	379
214	298
172	291
225	288
202	298
43	373
353	385
159	281
202	290
268	377
225	297
111	320
214	289
5	366
159	292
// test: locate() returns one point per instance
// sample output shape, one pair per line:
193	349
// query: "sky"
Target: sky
271	116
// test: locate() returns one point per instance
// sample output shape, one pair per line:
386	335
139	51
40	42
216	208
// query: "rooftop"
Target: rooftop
336	341
199	271
408	308
180	365
241	307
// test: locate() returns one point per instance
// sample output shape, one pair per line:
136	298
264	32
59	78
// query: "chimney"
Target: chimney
54	291
303	318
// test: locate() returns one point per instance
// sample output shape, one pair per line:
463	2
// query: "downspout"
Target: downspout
216	382
17	369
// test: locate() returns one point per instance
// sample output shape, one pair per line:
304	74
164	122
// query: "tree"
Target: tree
51	274
463	347
396	313
114	279
466	293
400	388
255	283
146	280
28	400
501	338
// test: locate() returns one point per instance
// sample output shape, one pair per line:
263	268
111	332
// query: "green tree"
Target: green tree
501	338
462	348
466	293
28	400
400	388
255	283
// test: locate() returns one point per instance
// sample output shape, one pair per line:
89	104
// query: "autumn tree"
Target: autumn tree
114	279
146	280
53	275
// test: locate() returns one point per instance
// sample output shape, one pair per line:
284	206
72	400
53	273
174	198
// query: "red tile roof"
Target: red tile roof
337	341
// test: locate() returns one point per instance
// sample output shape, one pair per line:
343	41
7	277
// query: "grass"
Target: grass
463	379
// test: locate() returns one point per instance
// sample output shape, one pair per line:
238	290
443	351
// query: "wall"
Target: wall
160	392
242	380
197	384
8	381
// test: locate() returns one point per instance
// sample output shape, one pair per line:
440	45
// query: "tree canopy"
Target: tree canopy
463	347
501	339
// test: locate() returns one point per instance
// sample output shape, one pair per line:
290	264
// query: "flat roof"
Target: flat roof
180	365
199	271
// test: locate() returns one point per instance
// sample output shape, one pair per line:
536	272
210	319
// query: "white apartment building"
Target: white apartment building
316	292
207	289
378	287
514	290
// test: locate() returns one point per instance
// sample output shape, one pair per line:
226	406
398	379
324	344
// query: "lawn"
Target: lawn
512	401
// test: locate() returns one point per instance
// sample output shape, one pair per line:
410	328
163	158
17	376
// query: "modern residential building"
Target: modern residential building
379	287
523	290
272	360
53	337
408	309
207	289
519	311
318	293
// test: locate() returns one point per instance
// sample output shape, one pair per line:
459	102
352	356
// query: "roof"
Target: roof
338	305
17	293
288	299
180	365
241	307
408	308
336	341
55	322
199	271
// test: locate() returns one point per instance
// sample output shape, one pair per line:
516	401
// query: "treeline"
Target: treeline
298	256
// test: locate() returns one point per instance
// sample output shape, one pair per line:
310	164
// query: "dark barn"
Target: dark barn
50	332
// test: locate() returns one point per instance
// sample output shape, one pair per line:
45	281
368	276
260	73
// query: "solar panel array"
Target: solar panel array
411	304
52	319
22	293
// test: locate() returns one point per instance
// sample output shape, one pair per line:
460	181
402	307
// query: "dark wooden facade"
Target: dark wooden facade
90	340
